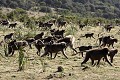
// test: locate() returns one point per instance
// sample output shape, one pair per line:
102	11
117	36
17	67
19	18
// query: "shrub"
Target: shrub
17	14
45	9
21	59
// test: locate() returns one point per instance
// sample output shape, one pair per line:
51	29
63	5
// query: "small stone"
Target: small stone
13	76
70	74
60	69
50	76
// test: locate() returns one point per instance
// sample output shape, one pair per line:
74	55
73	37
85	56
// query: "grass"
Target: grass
21	59
39	68
43	64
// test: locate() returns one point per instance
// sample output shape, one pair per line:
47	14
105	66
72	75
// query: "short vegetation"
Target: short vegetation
91	8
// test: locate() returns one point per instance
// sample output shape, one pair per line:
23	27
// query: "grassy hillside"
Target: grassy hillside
72	69
94	8
27	12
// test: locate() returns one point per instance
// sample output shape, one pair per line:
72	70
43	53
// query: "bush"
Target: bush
45	9
2	15
17	14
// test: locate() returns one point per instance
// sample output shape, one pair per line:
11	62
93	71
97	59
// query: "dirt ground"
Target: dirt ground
72	68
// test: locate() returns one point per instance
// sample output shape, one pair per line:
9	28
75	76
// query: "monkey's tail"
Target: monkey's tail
85	67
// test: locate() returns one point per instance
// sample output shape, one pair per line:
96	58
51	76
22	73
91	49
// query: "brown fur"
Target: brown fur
8	36
30	41
12	25
69	40
109	42
57	32
39	44
41	24
112	53
48	25
103	39
15	45
89	35
39	36
108	28
48	39
61	23
84	48
4	22
96	54
55	48
81	26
